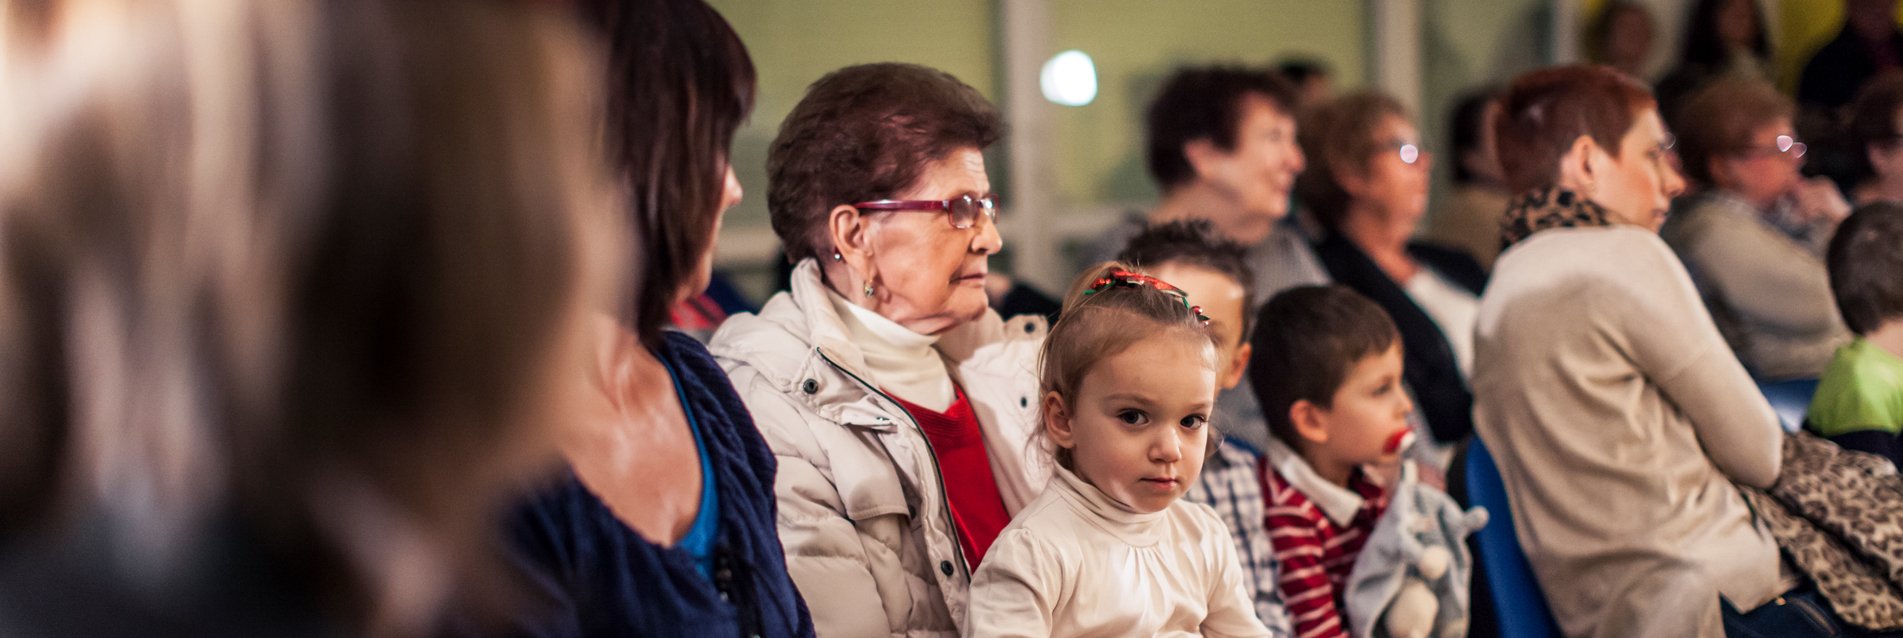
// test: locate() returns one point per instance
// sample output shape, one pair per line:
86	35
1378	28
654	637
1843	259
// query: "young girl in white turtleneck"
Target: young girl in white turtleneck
1109	548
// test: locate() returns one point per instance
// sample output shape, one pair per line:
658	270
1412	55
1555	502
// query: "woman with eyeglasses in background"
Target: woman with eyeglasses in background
1754	232
900	406
1367	183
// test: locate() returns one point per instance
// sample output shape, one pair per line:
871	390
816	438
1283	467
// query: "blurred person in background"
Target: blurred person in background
1753	233
899	406
1723	39
1220	142
1876	130
1314	81
1868	46
1367	183
662	522
1469	218
290	293
1621	37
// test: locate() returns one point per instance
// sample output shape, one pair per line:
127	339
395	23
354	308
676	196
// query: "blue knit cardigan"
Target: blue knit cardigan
597	577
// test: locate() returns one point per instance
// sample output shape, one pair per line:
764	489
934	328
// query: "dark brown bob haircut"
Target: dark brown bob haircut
679	84
1306	340
1203	103
862	133
1544	111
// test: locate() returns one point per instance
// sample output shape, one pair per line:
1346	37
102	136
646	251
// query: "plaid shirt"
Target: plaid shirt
1231	484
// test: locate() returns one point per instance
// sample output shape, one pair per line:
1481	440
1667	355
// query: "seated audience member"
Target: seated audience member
1753	235
1314	82
1724	39
1621	422
1367	184
662	520
1621	37
899	407
1869	45
1327	370
1220	143
1110	548
1877	139
292	294
1859	402
1469	219
1214	273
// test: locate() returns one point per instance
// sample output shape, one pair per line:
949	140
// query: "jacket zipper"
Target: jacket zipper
938	473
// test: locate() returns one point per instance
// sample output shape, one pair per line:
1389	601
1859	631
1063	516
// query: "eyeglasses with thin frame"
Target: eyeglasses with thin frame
962	211
1785	145
1409	151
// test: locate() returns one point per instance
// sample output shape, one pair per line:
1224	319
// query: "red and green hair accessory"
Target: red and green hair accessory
1121	277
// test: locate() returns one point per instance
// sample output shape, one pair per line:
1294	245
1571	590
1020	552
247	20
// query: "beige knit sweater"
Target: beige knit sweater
1620	421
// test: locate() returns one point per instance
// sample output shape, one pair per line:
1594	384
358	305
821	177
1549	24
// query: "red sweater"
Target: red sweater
977	509
1316	555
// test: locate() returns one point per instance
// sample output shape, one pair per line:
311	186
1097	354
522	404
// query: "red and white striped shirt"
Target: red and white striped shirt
1316	539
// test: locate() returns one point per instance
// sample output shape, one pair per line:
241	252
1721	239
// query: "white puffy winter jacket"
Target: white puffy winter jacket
868	534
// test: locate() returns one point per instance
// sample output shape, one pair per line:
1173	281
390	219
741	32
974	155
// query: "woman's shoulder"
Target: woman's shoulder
1603	249
774	342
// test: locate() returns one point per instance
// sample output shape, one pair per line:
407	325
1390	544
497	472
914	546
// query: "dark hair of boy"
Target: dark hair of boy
1306	341
1866	266
1194	242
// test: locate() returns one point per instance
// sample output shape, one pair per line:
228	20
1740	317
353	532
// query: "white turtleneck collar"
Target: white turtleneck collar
903	363
1139	529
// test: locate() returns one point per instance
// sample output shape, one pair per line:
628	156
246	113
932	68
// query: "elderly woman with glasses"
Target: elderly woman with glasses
898	404
1367	184
1753	234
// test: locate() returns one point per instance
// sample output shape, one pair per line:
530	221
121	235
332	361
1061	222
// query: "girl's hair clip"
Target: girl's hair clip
1121	277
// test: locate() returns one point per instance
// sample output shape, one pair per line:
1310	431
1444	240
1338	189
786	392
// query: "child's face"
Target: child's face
1139	425
1368	410
1221	299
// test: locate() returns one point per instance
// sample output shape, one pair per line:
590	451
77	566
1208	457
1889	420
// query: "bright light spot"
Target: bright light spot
1784	143
1410	153
1069	78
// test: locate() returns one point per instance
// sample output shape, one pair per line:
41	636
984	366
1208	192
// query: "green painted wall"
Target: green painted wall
1135	44
1097	146
794	42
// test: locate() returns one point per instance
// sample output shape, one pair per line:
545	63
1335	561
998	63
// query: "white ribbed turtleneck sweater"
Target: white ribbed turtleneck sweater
902	363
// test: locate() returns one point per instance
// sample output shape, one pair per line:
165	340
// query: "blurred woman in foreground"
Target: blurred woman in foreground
662	521
289	291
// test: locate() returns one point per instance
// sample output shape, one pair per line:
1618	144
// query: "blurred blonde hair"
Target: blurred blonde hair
324	265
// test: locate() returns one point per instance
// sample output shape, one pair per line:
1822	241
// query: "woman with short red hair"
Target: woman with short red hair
1621	422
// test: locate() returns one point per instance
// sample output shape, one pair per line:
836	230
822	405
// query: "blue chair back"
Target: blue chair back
1791	400
1517	600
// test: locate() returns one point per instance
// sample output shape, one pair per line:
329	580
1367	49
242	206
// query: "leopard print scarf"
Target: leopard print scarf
1551	207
